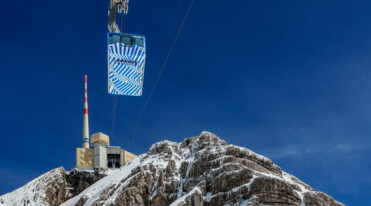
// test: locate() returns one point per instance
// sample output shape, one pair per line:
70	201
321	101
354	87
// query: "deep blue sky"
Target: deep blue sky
287	79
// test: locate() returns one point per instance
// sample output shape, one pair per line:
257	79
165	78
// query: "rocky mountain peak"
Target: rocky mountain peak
202	170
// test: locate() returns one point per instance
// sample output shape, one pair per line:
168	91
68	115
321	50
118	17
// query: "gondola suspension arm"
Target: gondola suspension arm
116	6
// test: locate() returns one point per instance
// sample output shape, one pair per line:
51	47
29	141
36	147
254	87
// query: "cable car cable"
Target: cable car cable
113	117
171	28
151	76
123	18
162	69
114	109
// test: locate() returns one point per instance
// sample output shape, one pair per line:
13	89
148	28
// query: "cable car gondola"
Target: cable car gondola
126	57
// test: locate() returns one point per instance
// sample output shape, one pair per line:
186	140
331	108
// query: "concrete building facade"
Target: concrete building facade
102	155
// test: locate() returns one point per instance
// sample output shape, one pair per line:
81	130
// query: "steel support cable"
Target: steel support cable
162	68
123	17
118	20
113	116
114	108
150	75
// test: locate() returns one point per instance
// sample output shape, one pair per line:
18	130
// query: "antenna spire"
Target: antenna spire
85	132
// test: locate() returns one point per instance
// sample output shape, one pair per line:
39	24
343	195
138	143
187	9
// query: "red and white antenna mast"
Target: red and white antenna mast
85	131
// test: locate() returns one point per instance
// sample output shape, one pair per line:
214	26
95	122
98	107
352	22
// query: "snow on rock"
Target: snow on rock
202	170
52	188
113	180
48	189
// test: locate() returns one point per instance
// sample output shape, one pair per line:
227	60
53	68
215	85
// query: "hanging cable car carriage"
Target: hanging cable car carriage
126	55
126	61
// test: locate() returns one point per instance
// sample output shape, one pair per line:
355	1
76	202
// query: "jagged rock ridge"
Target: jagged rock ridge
202	170
52	188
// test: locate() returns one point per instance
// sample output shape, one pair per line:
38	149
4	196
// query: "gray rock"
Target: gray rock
202	170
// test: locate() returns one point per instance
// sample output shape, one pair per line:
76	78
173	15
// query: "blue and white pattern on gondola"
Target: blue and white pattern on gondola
125	69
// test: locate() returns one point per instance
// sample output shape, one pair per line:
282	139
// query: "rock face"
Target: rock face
202	170
48	189
52	188
79	180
